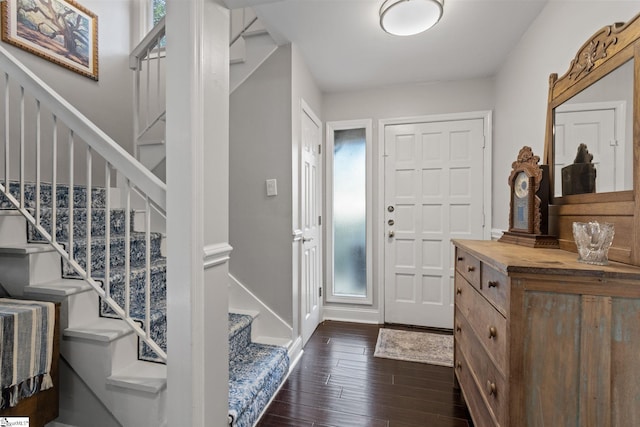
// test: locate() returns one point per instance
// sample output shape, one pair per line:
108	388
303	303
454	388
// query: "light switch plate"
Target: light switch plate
272	187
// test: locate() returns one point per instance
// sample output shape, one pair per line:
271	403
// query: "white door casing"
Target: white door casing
310	211
434	185
601	127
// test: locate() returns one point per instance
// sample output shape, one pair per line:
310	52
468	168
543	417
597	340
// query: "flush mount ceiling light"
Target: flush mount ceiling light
409	17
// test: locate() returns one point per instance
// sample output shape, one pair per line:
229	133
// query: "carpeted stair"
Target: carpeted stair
255	370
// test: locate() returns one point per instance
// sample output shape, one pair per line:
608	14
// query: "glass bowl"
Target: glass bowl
593	241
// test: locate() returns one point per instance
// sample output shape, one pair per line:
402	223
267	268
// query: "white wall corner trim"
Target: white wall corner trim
216	254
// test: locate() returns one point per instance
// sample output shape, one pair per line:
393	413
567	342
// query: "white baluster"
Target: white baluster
54	178
89	210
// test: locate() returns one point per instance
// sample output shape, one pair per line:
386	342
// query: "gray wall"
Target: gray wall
522	85
265	117
260	149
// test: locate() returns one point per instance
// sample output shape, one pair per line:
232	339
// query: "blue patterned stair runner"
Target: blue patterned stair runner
255	370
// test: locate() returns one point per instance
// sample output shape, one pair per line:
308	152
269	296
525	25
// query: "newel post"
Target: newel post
197	76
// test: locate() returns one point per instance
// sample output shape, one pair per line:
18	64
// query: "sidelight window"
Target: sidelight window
349	208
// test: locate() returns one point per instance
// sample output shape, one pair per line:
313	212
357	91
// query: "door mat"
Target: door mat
423	347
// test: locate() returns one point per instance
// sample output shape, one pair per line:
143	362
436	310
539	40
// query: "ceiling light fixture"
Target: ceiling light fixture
409	17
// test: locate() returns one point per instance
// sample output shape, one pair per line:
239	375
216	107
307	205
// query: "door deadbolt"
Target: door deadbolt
390	208
391	222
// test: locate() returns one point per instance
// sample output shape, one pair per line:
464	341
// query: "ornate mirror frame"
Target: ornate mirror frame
608	49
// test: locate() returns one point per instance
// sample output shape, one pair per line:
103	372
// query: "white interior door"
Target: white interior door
310	211
579	124
433	193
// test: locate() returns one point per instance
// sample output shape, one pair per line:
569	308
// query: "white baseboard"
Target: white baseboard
348	314
295	351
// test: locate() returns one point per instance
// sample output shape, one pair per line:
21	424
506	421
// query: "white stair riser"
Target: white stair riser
17	271
139	409
124	351
237	51
13	228
81	308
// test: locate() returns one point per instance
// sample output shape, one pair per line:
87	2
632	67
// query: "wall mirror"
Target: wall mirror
596	104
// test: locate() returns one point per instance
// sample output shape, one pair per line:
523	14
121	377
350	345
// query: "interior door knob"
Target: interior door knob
392	233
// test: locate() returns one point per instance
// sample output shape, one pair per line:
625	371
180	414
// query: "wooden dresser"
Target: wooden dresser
543	340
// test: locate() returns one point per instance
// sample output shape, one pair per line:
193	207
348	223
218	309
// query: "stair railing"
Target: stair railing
245	25
149	84
149	88
36	122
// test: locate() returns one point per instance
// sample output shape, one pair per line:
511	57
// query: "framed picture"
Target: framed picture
61	31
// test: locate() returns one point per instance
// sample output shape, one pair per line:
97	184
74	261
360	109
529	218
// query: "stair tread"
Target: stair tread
102	329
9	212
26	248
59	287
141	376
237	322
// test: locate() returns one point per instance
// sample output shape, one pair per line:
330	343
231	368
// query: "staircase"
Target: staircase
250	45
101	349
100	251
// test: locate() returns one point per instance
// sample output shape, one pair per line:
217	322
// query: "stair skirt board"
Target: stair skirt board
256	371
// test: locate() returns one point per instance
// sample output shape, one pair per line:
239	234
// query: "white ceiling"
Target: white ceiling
345	48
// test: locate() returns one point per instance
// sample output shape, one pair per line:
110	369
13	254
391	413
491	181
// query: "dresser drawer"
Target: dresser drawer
484	320
472	395
468	266
495	288
489	380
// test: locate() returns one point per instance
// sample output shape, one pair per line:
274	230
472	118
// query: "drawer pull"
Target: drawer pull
460	258
459	291
470	268
493	283
491	388
458	328
493	332
459	365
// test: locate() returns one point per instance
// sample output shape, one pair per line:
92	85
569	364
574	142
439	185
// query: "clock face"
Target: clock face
521	185
521	201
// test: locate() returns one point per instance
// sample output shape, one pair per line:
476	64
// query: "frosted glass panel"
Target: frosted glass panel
349	213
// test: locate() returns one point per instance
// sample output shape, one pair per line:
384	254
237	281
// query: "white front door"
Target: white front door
433	193
310	210
577	124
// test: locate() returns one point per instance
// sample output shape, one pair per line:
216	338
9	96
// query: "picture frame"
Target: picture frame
71	40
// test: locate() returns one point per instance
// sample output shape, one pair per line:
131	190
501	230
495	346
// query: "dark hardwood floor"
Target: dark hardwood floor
338	383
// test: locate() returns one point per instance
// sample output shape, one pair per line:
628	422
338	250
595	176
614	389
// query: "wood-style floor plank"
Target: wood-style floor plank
339	383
